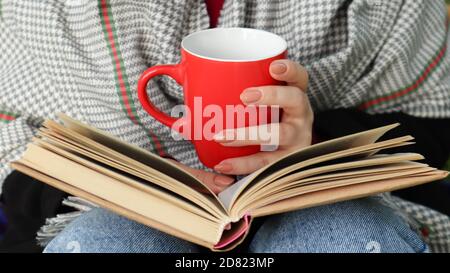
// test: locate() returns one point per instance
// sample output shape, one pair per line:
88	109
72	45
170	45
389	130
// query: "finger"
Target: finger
290	98
273	134
215	182
291	72
247	164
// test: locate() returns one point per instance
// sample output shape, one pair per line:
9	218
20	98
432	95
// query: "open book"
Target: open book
137	184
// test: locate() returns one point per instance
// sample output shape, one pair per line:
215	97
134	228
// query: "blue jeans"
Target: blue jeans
359	226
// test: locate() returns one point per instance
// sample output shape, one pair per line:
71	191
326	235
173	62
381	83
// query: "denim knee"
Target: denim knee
101	231
364	225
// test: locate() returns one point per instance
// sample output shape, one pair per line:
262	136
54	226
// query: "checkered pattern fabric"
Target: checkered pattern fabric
434	226
84	58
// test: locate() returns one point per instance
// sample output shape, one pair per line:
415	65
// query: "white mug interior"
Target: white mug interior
234	44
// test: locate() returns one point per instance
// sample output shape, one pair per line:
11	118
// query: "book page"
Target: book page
311	176
109	205
121	148
58	143
230	194
344	170
350	156
112	146
150	203
311	187
342	163
182	199
293	163
330	196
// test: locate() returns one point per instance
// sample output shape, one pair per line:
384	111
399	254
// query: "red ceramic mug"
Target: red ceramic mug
216	66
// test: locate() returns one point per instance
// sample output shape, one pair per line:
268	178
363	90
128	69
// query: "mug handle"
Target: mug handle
173	71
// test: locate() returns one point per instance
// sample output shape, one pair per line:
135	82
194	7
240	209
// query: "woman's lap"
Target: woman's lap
364	225
101	231
358	226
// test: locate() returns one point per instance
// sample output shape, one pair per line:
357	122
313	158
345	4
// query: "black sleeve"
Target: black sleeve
432	137
26	203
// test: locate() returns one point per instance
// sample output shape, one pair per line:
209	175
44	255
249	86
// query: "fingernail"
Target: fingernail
223	180
251	96
278	68
223	167
225	136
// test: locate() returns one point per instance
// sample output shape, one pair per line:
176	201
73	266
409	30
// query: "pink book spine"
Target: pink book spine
234	235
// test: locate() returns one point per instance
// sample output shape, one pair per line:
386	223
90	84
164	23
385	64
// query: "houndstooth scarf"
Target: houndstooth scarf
84	57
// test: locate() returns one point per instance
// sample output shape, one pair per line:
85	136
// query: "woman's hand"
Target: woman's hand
293	132
295	129
215	182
